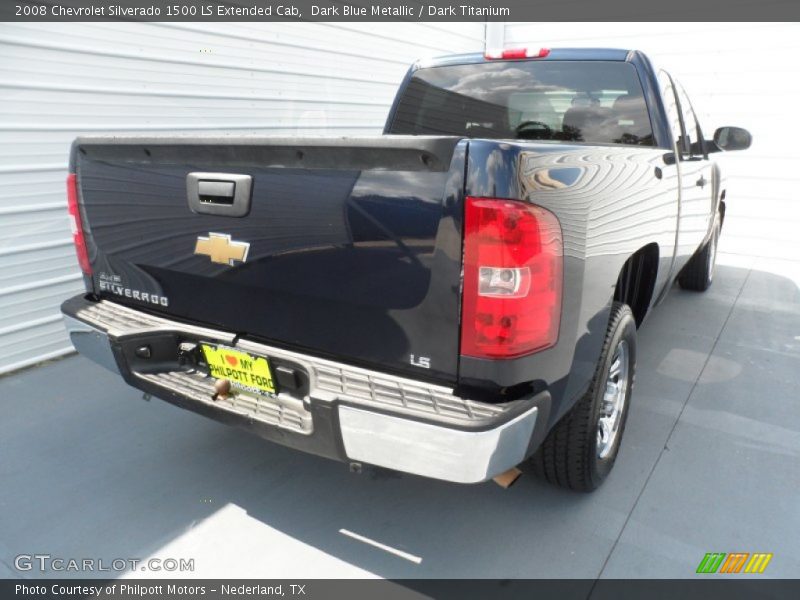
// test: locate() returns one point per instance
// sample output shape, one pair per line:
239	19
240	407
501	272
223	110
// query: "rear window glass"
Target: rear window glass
582	101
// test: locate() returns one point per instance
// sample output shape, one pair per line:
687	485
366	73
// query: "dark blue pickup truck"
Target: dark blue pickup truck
450	299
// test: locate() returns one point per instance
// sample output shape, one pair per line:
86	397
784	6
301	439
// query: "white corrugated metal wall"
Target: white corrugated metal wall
741	74
60	80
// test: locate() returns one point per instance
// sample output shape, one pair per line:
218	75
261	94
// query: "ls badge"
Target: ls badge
221	249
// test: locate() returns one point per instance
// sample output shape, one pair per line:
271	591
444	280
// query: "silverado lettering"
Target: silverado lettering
134	294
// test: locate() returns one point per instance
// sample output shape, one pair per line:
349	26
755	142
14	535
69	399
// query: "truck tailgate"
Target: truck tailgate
350	249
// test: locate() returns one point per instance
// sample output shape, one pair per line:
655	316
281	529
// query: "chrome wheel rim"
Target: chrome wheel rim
613	402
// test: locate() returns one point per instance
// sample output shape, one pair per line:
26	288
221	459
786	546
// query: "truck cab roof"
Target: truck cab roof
605	54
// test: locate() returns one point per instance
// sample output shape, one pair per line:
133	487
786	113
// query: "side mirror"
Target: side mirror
732	138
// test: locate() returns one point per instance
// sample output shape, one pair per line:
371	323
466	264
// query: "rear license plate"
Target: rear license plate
246	372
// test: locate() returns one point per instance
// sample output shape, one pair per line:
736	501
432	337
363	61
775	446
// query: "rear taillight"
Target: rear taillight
513	256
77	228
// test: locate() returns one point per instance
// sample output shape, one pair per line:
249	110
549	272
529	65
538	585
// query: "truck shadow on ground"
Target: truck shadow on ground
90	470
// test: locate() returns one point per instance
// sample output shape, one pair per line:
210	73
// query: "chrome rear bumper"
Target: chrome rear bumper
434	451
372	417
92	342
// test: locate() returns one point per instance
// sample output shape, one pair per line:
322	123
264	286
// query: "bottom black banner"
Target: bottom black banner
404	589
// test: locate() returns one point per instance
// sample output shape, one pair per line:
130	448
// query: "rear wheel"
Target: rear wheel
698	273
581	449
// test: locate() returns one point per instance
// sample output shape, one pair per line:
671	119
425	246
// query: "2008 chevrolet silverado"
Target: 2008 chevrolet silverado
451	299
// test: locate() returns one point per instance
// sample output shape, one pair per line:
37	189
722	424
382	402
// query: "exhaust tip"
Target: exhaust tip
507	478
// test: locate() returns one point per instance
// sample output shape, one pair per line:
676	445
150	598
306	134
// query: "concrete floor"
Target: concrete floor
710	462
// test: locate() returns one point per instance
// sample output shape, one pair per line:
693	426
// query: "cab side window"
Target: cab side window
673	111
695	144
682	119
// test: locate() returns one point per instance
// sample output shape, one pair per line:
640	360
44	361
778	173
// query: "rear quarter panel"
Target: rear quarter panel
611	201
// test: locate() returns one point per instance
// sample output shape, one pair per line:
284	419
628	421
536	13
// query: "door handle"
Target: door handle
222	194
701	182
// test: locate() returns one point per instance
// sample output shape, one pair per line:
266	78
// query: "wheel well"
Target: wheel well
637	281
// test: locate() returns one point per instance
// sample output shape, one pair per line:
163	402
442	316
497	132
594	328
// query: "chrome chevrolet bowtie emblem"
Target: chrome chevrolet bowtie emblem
221	249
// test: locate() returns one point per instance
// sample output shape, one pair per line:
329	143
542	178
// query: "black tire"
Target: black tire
569	456
698	274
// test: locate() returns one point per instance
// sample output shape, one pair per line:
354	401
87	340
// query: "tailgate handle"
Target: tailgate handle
221	194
